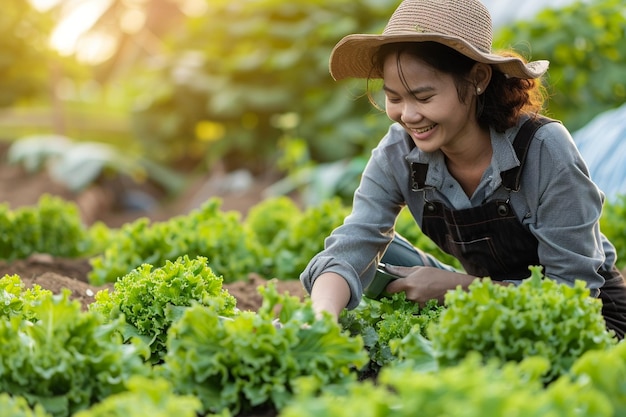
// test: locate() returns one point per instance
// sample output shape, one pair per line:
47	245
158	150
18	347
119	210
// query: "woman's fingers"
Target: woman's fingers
395	286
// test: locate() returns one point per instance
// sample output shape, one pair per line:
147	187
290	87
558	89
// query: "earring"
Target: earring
480	103
478	90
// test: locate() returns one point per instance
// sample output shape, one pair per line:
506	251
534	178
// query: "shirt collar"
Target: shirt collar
503	159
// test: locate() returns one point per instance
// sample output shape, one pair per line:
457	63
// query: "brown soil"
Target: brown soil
57	274
100	202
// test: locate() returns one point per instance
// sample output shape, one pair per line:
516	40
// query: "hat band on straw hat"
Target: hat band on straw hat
463	25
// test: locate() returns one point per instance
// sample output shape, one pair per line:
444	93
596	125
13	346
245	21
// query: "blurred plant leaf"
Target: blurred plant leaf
34	152
79	164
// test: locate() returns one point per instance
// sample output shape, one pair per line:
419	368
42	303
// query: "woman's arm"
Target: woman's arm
564	208
330	293
352	250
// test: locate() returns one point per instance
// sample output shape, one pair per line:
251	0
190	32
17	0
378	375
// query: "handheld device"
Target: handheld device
376	288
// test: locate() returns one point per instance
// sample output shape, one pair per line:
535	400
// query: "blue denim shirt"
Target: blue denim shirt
557	201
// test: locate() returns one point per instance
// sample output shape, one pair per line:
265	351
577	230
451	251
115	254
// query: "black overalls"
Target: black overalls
490	241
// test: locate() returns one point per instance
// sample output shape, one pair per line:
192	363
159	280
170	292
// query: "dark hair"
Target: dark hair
503	101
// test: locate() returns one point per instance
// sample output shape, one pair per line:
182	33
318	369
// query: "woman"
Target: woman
485	177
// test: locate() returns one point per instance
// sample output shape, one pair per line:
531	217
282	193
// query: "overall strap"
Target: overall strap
418	176
521	143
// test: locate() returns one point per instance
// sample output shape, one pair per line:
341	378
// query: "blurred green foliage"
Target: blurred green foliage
613	225
246	81
23	71
584	43
43	91
241	67
77	165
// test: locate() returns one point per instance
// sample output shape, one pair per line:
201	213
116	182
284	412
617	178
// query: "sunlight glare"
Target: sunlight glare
44	5
132	20
95	48
193	7
78	20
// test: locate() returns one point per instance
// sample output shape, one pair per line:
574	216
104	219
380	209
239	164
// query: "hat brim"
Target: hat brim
352	57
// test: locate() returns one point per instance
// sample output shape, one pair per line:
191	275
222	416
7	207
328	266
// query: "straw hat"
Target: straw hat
463	25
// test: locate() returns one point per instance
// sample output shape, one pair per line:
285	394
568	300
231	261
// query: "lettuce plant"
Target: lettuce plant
64	359
471	388
13	297
391	318
152	397
272	217
150	299
208	231
605	371
248	361
537	318
305	237
19	407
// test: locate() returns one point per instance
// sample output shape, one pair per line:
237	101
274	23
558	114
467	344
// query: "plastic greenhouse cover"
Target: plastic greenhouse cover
602	143
503	13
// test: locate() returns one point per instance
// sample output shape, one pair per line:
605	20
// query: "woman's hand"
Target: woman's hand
424	283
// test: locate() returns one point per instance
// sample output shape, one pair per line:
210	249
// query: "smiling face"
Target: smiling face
427	104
